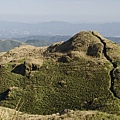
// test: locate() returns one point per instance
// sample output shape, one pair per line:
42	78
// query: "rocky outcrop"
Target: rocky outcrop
4	95
64	59
19	69
26	68
95	50
83	41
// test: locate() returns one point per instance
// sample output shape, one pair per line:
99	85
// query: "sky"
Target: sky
73	11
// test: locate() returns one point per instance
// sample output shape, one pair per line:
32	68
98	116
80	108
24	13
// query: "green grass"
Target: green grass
58	86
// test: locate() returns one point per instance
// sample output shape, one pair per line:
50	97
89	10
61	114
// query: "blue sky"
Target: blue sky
74	11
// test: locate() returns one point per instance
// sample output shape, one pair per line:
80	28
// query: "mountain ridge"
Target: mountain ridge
14	29
6	45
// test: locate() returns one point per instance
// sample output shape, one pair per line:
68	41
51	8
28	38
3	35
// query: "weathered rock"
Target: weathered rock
95	50
26	68
19	69
64	59
31	66
62	83
4	95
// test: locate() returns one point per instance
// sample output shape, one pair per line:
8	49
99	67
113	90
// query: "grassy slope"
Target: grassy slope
58	86
83	83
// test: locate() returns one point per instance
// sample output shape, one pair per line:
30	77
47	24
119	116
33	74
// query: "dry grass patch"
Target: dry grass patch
22	52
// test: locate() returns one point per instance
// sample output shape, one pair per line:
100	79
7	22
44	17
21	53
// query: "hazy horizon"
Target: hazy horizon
77	11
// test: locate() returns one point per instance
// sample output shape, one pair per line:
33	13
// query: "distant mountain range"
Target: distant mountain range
15	30
14	34
114	39
38	41
6	45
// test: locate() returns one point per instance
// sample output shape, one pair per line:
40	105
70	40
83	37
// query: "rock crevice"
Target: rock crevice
110	60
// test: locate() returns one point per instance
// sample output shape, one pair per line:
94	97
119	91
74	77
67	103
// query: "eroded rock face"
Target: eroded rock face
95	50
31	66
26	68
4	95
64	59
19	69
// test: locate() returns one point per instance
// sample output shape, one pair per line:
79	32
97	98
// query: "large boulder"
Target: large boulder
95	50
27	67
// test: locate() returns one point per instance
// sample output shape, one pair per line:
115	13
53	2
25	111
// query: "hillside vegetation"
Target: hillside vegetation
79	74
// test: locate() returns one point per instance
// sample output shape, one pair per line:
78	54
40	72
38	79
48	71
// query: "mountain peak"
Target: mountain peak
84	41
